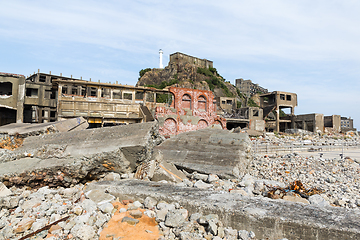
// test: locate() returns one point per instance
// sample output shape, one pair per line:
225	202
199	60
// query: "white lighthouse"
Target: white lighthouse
161	53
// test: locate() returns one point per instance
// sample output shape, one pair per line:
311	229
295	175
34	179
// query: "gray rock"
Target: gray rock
174	218
112	177
243	235
136	213
150	203
150	213
83	231
130	220
199	176
4	191
202	185
106	207
212	228
88	205
212	178
318	201
99	197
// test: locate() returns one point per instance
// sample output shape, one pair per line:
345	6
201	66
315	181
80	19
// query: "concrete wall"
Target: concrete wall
311	122
227	103
191	110
12	88
181	58
333	122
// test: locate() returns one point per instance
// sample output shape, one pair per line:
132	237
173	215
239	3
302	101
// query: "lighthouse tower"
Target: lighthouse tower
161	53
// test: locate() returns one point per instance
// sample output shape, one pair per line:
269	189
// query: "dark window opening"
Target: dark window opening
31	92
92	92
282	96
255	113
52	114
6	88
128	96
42	78
64	90
288	97
150	97
105	92
229	102
83	91
74	90
117	94
139	95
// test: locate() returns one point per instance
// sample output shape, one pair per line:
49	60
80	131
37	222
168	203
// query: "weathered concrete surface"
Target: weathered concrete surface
35	129
157	169
208	151
66	158
268	218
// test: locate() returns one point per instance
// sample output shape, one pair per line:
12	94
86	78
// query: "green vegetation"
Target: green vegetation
164	84
238	104
282	113
143	71
163	98
239	93
251	103
214	81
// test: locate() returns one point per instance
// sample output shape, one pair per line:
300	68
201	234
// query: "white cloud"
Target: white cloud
308	47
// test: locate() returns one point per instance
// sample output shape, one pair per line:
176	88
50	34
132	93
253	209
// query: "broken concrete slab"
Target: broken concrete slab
210	151
34	129
71	157
157	169
4	191
267	218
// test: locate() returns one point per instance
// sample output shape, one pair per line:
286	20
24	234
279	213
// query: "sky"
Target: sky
307	47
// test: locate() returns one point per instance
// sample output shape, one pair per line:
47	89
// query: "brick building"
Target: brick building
190	110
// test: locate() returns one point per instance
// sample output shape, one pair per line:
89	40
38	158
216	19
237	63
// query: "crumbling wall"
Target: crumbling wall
191	110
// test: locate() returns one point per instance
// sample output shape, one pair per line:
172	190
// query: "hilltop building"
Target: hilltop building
248	88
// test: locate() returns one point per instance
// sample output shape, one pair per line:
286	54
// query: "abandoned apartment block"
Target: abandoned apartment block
273	104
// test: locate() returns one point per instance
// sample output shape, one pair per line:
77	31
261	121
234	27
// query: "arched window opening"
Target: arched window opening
202	103
186	101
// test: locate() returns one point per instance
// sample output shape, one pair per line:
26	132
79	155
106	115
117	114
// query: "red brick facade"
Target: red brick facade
191	110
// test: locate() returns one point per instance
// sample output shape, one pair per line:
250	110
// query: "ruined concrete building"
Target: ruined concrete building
190	110
272	103
48	98
12	89
347	124
248	88
181	58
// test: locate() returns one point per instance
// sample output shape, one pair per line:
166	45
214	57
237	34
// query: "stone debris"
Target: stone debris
42	182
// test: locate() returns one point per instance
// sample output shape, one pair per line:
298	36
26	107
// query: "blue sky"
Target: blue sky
307	47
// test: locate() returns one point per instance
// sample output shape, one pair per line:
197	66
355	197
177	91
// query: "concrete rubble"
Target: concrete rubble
68	158
34	129
208	151
83	186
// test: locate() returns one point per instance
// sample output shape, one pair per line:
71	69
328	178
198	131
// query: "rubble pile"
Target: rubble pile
338	178
306	138
72	213
50	186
